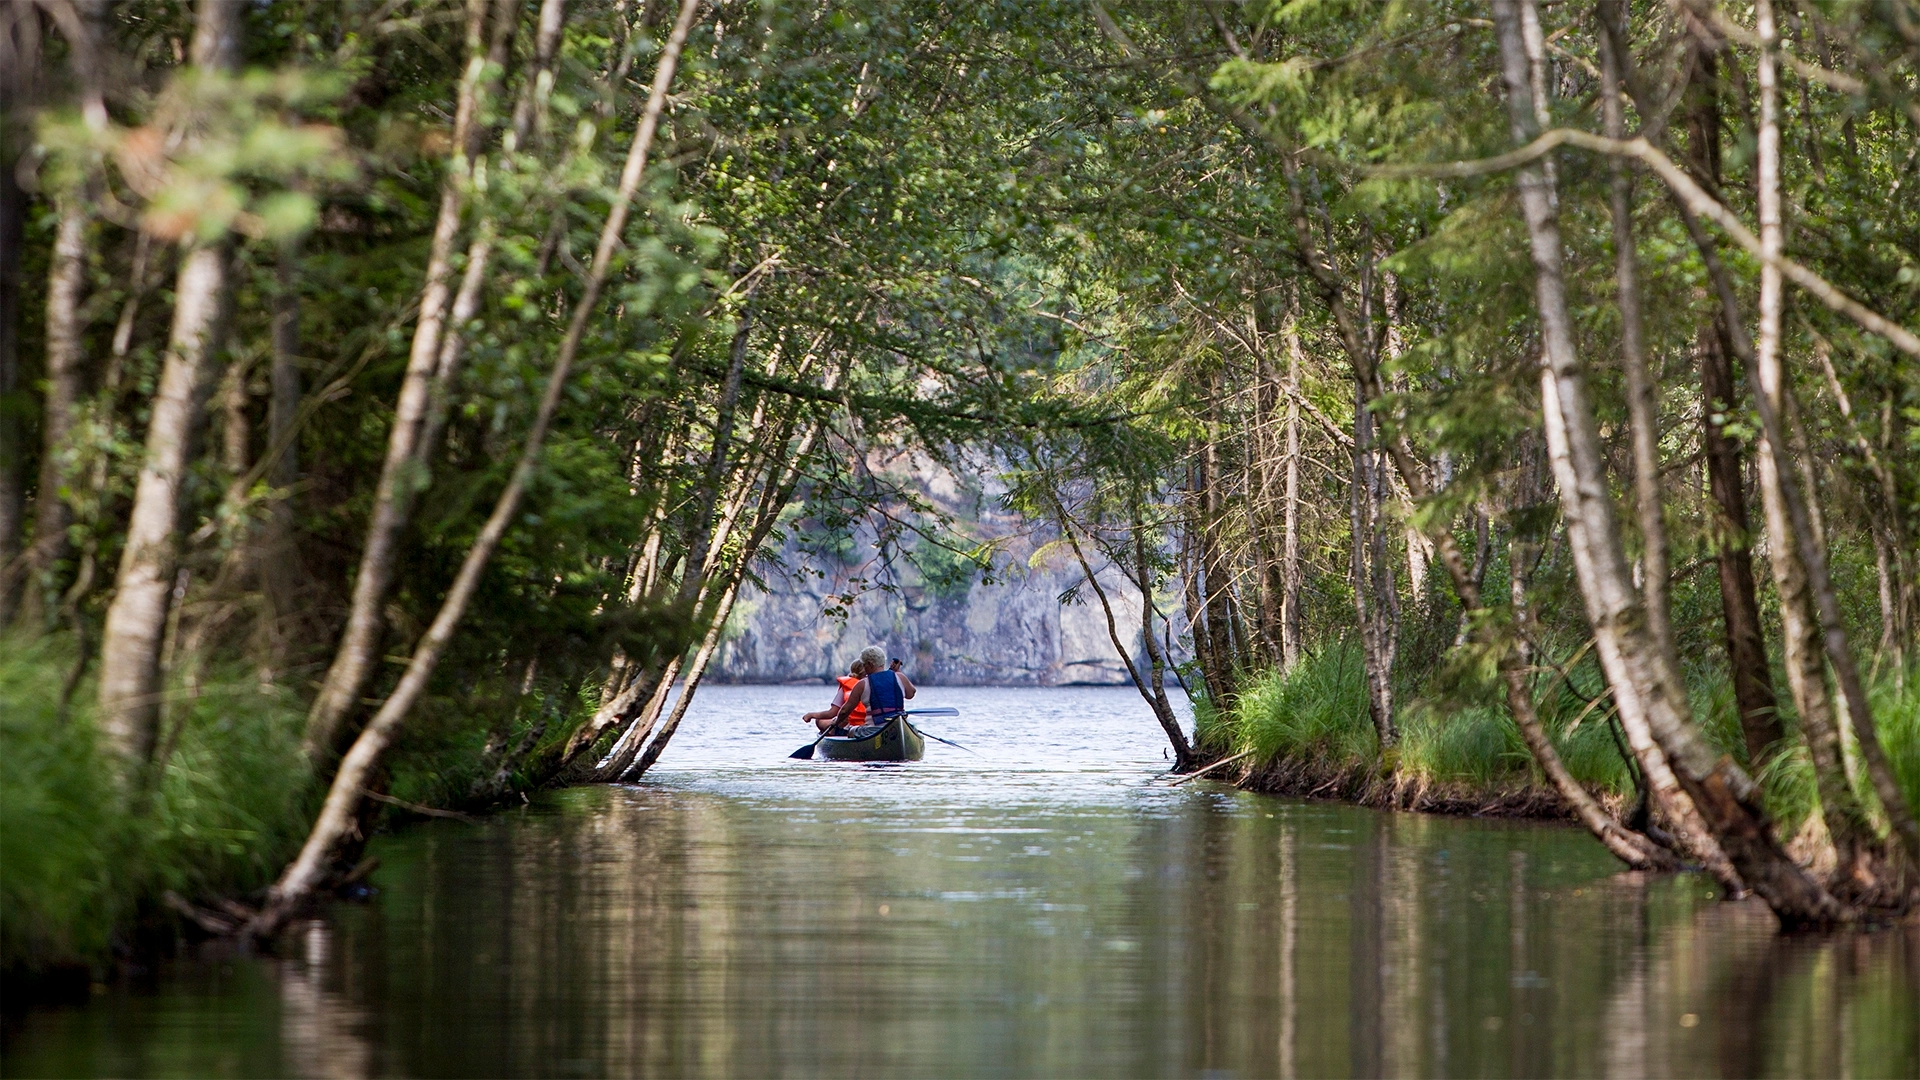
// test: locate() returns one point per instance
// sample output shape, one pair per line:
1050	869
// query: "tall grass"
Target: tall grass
1458	733
1317	712
82	861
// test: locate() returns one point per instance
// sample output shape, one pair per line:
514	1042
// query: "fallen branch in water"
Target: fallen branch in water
416	808
1198	773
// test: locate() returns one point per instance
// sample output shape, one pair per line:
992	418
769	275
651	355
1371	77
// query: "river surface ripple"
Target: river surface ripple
1045	906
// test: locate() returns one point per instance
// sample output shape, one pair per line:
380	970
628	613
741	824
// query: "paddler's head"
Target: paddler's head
874	658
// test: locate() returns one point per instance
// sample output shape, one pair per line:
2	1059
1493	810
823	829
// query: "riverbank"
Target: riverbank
92	879
1306	734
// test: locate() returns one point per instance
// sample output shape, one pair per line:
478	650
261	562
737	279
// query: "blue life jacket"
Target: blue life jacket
884	696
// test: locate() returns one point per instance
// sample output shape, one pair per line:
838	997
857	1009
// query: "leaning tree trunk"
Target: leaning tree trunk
357	656
1643	677
136	620
313	866
1644	420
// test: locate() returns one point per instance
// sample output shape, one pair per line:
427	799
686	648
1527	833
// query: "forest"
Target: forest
1466	405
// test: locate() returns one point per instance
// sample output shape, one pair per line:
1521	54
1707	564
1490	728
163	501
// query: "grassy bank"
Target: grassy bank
1459	751
85	866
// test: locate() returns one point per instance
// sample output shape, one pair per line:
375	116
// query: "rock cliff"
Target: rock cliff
1011	632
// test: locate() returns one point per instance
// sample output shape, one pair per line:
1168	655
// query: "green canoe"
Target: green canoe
898	741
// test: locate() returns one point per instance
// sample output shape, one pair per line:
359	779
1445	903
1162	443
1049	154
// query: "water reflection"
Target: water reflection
1042	910
319	1028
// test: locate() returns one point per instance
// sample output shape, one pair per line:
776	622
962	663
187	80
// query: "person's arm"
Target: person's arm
857	696
906	684
831	710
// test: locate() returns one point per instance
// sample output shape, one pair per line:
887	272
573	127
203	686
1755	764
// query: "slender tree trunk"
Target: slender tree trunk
1222	680
1364	563
311	868
1290	622
358	653
1150	685
65	330
1643	412
1740	609
1643	677
277	557
1643	409
13	210
66	361
137	618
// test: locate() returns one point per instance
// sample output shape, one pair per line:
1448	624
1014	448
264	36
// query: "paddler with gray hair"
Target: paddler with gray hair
884	691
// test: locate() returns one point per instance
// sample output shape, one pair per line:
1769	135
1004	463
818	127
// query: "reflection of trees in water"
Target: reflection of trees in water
320	1028
1334	942
686	933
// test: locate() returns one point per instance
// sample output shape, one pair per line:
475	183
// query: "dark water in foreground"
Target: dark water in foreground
1044	909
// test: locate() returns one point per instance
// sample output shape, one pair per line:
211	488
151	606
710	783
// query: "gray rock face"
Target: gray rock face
1014	633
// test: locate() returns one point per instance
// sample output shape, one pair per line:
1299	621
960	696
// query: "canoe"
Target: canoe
898	741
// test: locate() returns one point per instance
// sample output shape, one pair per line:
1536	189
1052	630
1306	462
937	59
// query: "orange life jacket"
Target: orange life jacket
859	714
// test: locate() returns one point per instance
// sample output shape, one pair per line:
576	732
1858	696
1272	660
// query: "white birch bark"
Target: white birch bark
136	620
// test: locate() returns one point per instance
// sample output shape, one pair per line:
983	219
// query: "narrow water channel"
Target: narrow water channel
1044	906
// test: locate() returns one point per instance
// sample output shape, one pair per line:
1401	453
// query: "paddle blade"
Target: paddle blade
804	752
946	710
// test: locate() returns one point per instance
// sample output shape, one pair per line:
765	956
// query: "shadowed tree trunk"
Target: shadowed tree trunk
276	556
13	209
1740	610
66	286
1643	409
1216	597
137	618
66	330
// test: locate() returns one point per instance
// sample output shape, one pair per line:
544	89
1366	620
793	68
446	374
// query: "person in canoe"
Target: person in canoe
884	692
823	718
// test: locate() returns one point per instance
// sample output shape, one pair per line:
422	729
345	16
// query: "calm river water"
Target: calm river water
1045	908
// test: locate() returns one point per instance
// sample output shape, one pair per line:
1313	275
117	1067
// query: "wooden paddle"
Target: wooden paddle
949	742
806	751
